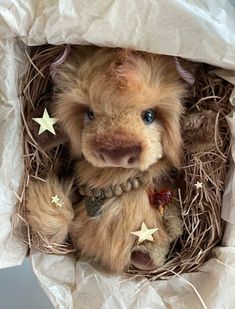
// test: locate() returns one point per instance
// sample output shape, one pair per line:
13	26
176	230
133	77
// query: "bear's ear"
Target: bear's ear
68	105
70	117
172	140
184	73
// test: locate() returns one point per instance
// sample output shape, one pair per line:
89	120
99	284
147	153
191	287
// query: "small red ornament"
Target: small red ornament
160	199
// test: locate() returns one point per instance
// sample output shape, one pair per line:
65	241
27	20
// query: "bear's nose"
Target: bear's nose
126	157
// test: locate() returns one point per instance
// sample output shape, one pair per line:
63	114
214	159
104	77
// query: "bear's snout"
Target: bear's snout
117	151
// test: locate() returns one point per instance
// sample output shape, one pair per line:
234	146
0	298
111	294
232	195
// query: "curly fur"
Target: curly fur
42	215
118	85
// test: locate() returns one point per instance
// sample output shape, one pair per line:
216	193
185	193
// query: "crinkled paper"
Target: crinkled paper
198	30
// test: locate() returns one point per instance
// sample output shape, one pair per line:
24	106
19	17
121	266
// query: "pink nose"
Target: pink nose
142	260
120	156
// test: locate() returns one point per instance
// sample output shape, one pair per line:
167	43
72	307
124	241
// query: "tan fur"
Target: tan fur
43	216
108	239
118	108
118	85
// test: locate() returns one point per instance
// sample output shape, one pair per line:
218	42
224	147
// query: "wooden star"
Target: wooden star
198	185
56	200
144	233
46	123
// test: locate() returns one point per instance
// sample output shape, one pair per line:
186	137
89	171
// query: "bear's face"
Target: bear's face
121	108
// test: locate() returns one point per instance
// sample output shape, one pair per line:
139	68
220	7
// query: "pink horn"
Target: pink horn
59	60
184	74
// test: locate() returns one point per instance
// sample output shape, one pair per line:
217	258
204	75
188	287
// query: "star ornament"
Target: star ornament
198	185
46	123
56	200
144	233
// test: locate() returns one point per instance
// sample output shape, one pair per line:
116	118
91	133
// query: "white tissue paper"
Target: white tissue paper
198	30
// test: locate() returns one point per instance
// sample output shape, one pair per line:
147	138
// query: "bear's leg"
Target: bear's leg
49	210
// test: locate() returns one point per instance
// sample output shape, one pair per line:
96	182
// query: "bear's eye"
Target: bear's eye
90	113
148	116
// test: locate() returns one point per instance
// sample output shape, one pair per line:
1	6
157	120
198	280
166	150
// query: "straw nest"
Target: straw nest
201	208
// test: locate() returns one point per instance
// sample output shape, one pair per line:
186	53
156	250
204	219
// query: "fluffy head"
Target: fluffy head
102	98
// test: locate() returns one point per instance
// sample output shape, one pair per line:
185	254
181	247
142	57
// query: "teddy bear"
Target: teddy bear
120	114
